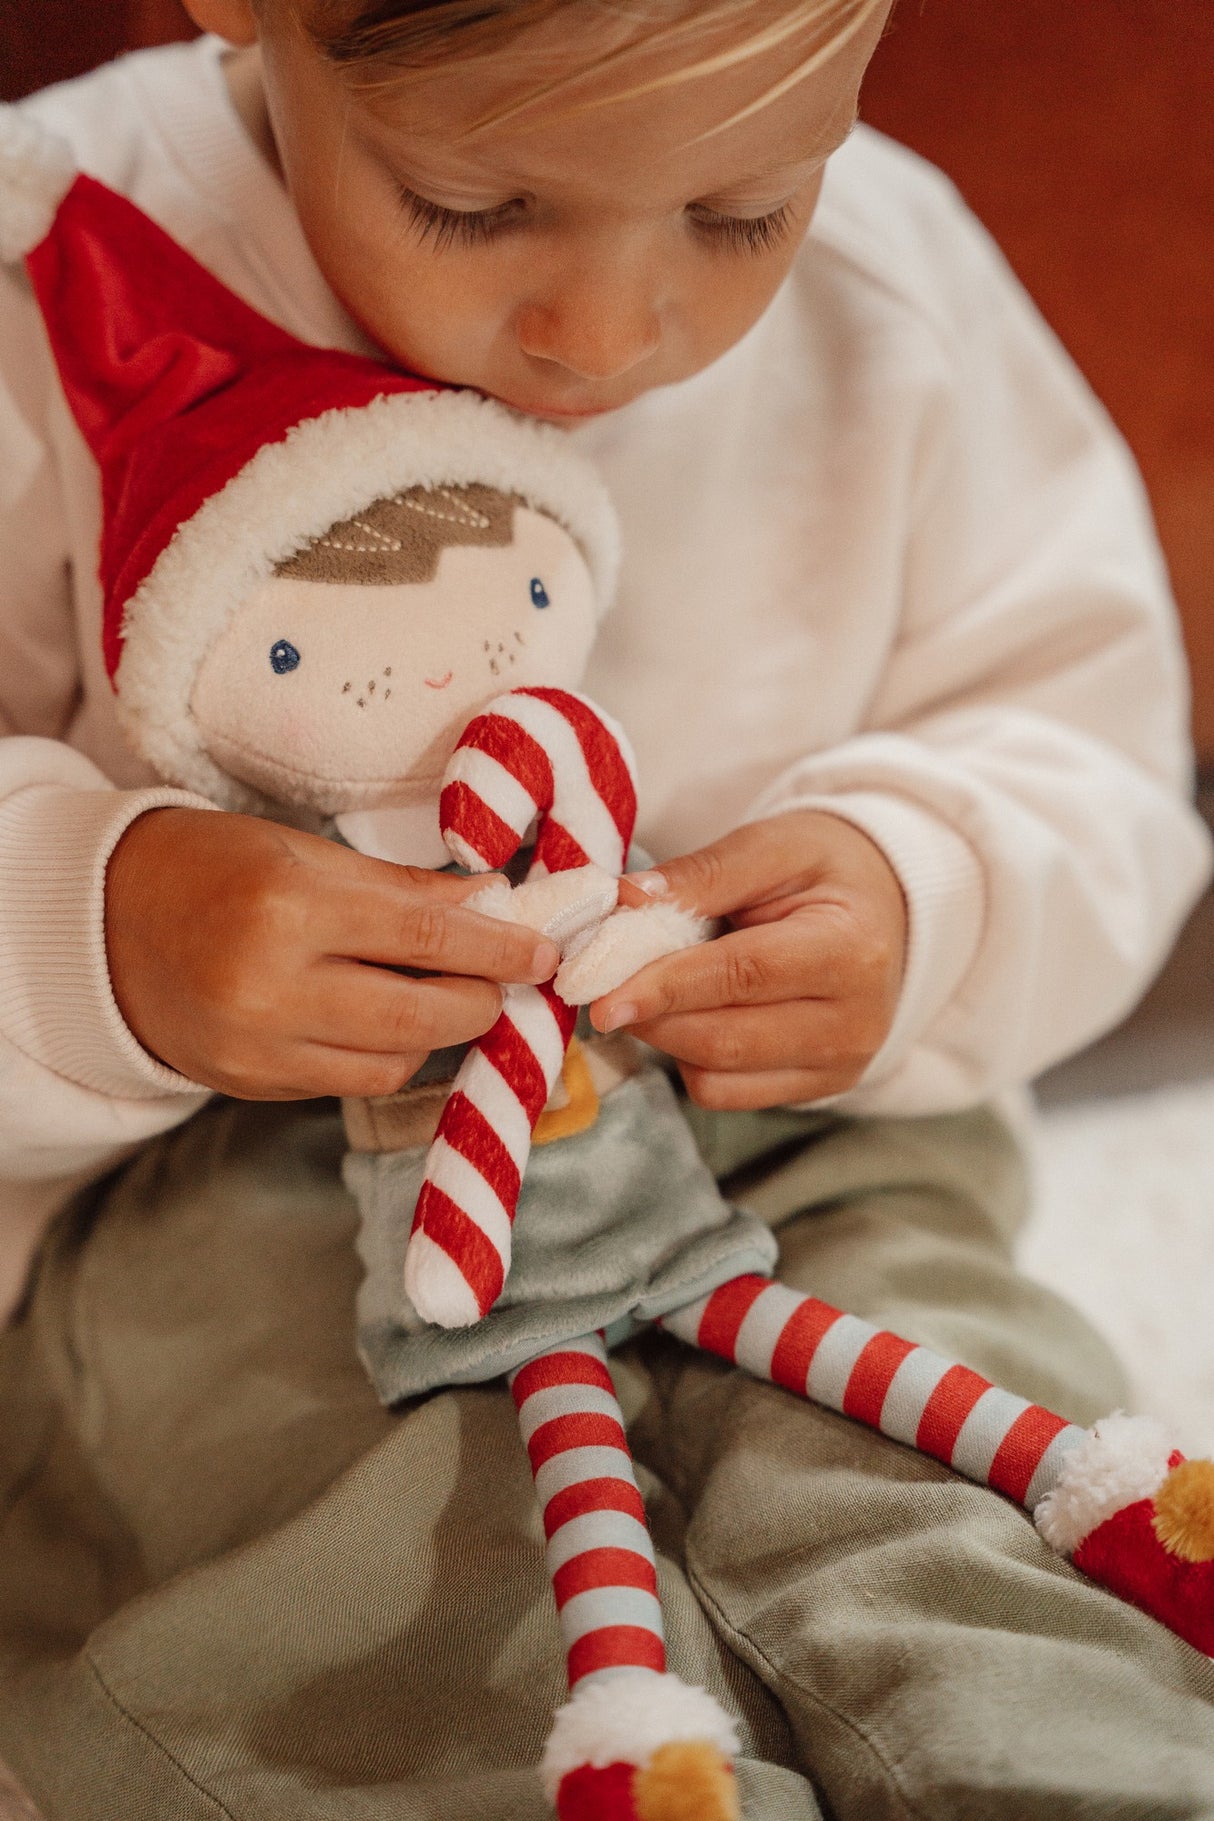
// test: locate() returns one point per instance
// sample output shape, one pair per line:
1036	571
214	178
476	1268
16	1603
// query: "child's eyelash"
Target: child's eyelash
474	227
745	233
457	227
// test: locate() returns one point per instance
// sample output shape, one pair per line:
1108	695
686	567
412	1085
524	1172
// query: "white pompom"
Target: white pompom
37	170
1122	1460
625	1716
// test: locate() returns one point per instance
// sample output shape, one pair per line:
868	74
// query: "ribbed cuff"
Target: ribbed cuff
56	1002
945	895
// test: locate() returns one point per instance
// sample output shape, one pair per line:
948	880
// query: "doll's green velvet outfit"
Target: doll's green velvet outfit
234	1584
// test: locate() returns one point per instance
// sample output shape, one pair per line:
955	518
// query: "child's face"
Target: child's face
347	696
567	260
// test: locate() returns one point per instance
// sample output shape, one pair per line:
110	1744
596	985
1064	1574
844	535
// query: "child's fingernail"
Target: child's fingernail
654	885
618	1017
545	963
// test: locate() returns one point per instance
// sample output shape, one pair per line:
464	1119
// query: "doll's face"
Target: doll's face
346	695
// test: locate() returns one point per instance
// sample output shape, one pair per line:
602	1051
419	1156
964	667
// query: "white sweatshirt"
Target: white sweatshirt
887	557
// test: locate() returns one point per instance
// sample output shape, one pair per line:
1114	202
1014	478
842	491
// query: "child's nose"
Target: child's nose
595	331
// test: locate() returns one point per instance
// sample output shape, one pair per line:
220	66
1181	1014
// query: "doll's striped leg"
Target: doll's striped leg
907	1392
632	1743
1118	1499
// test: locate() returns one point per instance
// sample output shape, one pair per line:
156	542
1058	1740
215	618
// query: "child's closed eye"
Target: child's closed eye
460	227
743	233
446	227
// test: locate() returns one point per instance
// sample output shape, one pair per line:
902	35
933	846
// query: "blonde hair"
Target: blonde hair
384	38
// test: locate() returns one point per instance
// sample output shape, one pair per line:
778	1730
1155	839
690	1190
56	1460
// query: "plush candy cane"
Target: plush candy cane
543	753
533	753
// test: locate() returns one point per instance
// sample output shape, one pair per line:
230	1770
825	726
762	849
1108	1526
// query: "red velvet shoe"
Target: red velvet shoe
1138	1518
642	1747
689	1782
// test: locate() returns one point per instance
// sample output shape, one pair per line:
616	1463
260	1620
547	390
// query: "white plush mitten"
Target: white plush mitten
603	958
566	907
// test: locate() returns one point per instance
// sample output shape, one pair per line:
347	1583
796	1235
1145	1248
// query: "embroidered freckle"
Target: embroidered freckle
283	658
539	594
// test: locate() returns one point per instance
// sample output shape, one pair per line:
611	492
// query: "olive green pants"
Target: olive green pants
231	1584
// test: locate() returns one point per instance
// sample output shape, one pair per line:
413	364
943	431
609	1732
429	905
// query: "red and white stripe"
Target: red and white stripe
599	1552
907	1392
549	757
545	753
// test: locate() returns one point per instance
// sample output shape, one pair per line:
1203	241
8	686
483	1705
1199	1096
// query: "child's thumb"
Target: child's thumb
744	868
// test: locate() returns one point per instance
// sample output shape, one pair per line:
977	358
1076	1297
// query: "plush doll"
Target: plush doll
338	595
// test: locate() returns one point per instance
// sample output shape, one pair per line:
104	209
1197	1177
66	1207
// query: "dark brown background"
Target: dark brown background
1080	131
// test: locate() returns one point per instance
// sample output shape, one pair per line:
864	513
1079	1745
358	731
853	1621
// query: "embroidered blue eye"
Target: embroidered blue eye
539	594
283	657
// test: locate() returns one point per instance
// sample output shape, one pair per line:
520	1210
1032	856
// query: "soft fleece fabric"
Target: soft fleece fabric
887	557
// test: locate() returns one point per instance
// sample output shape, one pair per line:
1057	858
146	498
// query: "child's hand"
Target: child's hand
256	960
796	999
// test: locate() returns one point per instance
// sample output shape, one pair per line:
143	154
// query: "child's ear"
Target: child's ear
231	19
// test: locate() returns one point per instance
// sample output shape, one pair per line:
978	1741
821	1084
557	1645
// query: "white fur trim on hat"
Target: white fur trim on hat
625	1717
37	170
1124	1459
325	470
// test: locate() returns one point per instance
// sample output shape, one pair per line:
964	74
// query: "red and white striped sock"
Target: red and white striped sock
599	1552
907	1392
1119	1499
629	1728
534	755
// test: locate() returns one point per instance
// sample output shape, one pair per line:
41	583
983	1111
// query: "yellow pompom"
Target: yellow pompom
1184	1511
686	1782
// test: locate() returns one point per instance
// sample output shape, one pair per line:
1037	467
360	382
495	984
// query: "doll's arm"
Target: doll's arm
602	959
566	907
601	945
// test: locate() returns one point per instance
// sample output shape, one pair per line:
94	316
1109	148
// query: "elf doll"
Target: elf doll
339	596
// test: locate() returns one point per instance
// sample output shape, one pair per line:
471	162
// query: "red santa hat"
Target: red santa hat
225	444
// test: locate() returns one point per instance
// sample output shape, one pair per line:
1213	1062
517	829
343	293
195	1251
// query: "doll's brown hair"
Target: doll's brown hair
402	538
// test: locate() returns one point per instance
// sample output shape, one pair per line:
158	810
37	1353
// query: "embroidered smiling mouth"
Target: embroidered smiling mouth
439	682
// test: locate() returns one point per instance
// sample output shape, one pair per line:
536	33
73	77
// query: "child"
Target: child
896	653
